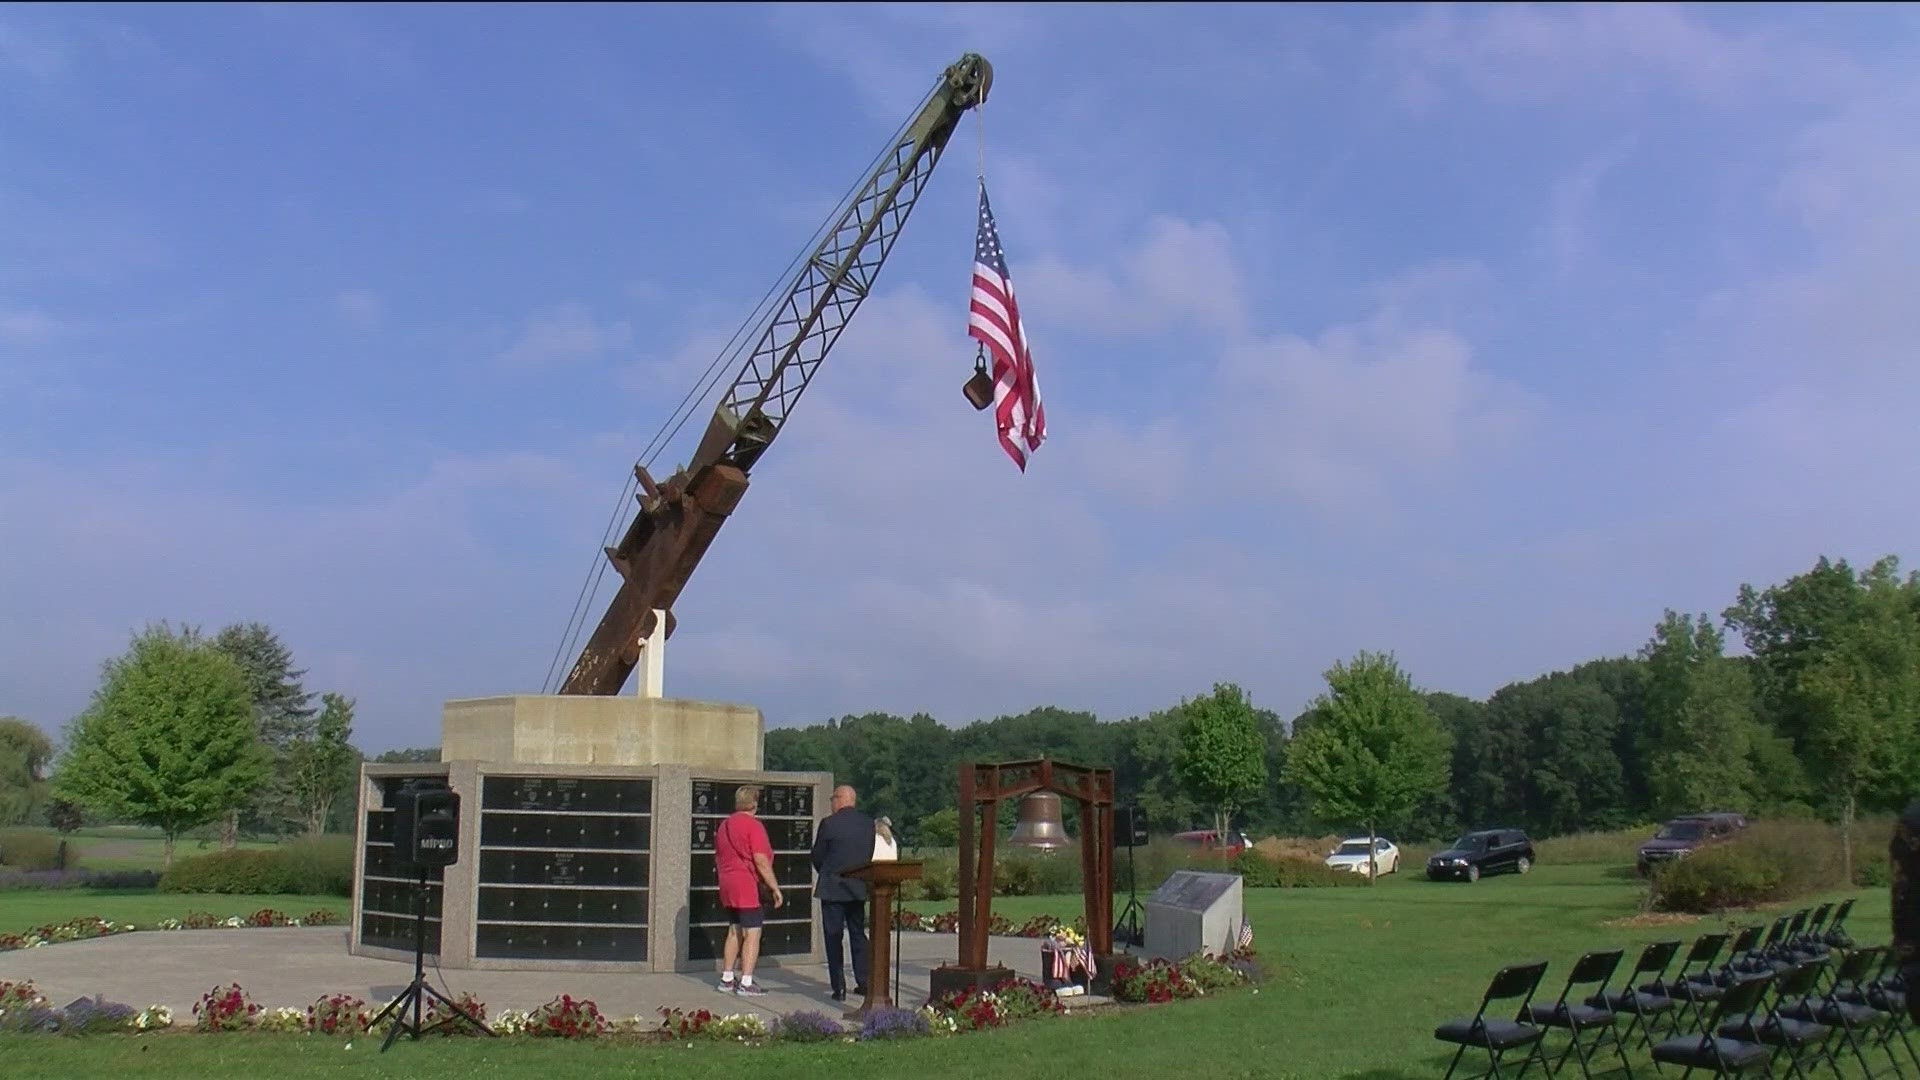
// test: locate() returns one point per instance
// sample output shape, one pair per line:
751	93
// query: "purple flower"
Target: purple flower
807	1026
886	1023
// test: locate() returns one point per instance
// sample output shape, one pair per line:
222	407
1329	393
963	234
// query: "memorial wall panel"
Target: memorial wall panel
787	812
564	868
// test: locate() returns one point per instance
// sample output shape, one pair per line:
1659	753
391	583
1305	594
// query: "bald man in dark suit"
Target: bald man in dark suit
844	839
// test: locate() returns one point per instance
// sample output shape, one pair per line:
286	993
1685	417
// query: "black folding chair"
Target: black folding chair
1760	960
1643	1007
1816	931
1797	1041
1500	1037
1836	936
1857	1023
1741	951
1691	988
1886	994
1716	1053
1596	970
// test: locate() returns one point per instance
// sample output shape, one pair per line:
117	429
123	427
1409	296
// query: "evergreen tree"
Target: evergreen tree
283	715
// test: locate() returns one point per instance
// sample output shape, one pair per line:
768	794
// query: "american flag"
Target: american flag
1246	934
994	319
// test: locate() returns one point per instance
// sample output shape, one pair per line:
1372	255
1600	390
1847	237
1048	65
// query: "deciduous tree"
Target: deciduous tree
1222	761
1370	751
25	757
168	740
1700	720
320	763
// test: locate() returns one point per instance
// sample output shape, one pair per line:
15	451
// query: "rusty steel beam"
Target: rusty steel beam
666	541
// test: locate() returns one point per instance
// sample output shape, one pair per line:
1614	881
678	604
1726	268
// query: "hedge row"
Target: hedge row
1027	873
318	866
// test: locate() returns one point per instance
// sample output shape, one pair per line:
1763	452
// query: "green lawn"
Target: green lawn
27	908
1360	978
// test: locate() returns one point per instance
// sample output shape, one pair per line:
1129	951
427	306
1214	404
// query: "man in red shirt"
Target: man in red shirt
744	854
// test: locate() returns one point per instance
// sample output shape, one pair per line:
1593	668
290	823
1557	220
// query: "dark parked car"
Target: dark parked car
1490	851
1685	835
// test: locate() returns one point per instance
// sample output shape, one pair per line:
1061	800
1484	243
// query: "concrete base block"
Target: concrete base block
553	729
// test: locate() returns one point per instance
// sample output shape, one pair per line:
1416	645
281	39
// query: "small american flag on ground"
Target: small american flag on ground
994	319
1246	934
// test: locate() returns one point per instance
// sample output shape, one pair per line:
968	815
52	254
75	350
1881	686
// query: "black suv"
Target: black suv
1683	836
1490	851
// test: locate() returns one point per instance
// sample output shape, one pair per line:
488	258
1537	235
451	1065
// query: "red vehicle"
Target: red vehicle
1237	841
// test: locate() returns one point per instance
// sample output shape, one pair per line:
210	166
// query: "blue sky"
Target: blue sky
1477	334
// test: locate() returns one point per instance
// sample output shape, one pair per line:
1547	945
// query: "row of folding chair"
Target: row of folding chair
1775	996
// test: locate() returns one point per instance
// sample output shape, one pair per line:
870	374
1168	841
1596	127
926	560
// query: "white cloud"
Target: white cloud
25	327
564	335
1530	53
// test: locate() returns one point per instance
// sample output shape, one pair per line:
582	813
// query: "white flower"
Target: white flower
153	1016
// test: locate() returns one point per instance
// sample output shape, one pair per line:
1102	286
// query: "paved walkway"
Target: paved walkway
294	966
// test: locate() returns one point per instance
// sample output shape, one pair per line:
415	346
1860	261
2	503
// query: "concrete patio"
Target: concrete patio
294	966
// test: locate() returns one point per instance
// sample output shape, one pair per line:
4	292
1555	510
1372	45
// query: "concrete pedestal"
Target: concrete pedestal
586	838
539	729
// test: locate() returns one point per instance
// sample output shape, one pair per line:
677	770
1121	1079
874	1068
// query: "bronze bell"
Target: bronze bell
1040	824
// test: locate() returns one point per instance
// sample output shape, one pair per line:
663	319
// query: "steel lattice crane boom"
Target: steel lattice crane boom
678	519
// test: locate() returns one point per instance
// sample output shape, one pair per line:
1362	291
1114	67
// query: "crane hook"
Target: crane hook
979	389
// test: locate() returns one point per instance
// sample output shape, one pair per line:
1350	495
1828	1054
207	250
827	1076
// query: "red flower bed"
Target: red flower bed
568	1018
225	1009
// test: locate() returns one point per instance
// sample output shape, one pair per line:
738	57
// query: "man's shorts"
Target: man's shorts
746	918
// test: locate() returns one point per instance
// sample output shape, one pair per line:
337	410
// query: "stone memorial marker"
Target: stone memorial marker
1193	912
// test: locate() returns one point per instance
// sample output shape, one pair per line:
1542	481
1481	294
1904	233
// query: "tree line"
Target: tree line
1819	716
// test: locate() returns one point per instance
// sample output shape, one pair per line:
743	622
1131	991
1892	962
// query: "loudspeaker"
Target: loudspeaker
426	823
1130	825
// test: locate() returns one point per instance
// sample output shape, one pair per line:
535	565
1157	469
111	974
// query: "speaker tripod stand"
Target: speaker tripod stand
1127	927
418	990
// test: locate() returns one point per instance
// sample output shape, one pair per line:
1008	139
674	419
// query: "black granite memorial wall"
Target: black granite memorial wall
386	906
787	812
564	868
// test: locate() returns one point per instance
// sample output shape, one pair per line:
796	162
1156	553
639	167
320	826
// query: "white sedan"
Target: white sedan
1352	855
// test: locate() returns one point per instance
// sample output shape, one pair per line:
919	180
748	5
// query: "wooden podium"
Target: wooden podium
883	884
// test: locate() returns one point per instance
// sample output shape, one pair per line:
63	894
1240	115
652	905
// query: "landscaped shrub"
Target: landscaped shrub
338	1014
31	849
308	866
98	1016
1151	981
809	1026
1260	871
939	880
437	1012
225	1009
11	880
682	1024
885	1023
1780	859
567	1017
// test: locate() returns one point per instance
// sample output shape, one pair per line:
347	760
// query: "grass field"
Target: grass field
1359	979
24	909
129	847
